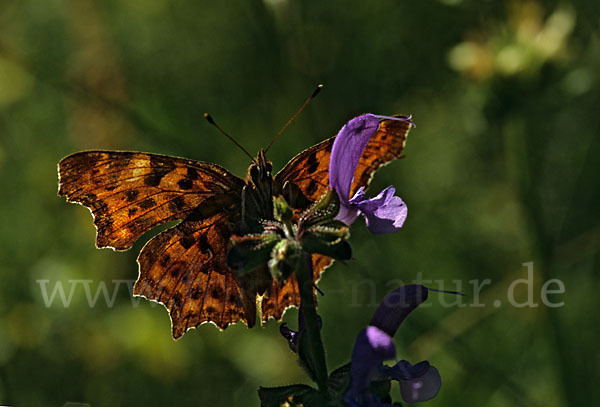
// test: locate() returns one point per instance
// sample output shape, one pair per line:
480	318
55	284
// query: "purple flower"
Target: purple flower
420	382
386	212
374	345
293	337
371	349
396	306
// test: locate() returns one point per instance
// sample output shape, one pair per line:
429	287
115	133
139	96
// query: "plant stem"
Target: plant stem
311	320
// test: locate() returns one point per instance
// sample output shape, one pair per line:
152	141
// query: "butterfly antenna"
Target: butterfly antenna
315	93
212	121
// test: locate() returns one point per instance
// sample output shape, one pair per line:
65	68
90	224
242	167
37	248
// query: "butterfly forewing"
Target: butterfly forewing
385	146
130	193
309	171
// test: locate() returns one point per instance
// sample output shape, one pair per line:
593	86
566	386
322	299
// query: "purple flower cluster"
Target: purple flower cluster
374	345
384	213
365	382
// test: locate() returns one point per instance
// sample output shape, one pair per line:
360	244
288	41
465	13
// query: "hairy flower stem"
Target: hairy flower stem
305	275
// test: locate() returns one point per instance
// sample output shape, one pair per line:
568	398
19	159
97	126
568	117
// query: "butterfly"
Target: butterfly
185	267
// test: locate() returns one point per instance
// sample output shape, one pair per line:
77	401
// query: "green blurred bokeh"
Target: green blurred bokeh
500	171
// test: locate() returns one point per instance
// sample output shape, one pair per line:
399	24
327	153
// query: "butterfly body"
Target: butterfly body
257	194
185	267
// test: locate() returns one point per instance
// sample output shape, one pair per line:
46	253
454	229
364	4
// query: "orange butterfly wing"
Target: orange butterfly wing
185	267
130	193
385	146
309	171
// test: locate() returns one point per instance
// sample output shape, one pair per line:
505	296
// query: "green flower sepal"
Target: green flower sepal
281	244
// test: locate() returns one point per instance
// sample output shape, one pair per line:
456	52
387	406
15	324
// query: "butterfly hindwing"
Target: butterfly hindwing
130	193
185	268
285	295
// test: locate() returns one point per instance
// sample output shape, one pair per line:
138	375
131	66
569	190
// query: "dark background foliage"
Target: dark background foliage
500	171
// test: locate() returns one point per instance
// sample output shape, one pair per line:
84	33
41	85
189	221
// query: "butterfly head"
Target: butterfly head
260	170
259	188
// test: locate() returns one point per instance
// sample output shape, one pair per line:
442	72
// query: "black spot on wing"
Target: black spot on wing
185	183
192	173
312	163
196	215
187	242
121	161
153	179
216	293
176	301
131	195
177	204
147	203
164	260
203	244
175	269
312	186
160	166
197	293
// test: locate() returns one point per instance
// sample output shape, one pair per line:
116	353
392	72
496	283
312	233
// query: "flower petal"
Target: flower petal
388	218
371	348
291	336
381	343
422	388
385	213
346	151
420	382
403	370
396	306
347	214
374	345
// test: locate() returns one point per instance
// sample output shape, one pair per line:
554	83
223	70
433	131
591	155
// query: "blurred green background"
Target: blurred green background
500	171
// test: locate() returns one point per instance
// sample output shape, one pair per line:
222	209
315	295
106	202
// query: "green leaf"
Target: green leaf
281	210
339	382
382	389
323	211
339	251
250	251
